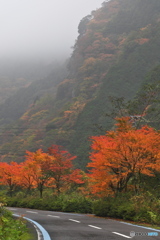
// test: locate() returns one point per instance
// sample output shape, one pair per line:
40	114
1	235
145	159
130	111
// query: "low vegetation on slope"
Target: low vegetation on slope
11	228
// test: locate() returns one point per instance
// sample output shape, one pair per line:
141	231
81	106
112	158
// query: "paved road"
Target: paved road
68	226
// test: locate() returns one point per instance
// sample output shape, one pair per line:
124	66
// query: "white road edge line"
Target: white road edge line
32	212
74	220
94	227
153	229
121	235
53	216
40	230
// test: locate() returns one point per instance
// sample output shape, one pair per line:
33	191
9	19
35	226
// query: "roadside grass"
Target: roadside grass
12	228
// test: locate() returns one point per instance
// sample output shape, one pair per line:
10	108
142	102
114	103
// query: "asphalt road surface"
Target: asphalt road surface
70	226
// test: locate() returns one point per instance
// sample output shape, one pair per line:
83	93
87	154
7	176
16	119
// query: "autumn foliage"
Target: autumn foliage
9	175
52	169
121	157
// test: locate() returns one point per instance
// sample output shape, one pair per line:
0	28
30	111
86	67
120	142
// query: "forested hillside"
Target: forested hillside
116	53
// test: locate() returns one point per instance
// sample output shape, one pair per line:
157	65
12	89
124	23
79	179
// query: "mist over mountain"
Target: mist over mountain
15	75
116	52
34	36
41	29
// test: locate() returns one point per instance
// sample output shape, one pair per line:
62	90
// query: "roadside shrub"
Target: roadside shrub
67	203
56	206
12	202
142	208
103	208
80	205
112	207
36	203
125	211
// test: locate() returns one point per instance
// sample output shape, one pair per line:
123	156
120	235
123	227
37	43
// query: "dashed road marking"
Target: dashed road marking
53	216
32	212
94	227
74	220
14	209
121	235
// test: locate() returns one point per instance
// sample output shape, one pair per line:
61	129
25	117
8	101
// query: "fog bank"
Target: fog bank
41	28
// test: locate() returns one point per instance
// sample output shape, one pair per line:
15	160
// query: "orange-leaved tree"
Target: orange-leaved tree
52	169
38	166
122	156
8	175
25	177
61	168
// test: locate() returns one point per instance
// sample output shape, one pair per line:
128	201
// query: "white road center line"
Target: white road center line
53	216
94	227
121	235
74	220
32	212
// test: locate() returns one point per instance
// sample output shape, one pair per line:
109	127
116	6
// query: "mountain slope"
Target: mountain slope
15	106
117	46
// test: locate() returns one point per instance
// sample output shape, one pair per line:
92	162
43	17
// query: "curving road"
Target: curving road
70	226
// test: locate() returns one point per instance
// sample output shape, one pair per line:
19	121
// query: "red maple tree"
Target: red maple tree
123	155
61	168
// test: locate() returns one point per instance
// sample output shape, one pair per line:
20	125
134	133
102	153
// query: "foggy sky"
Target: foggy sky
41	28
